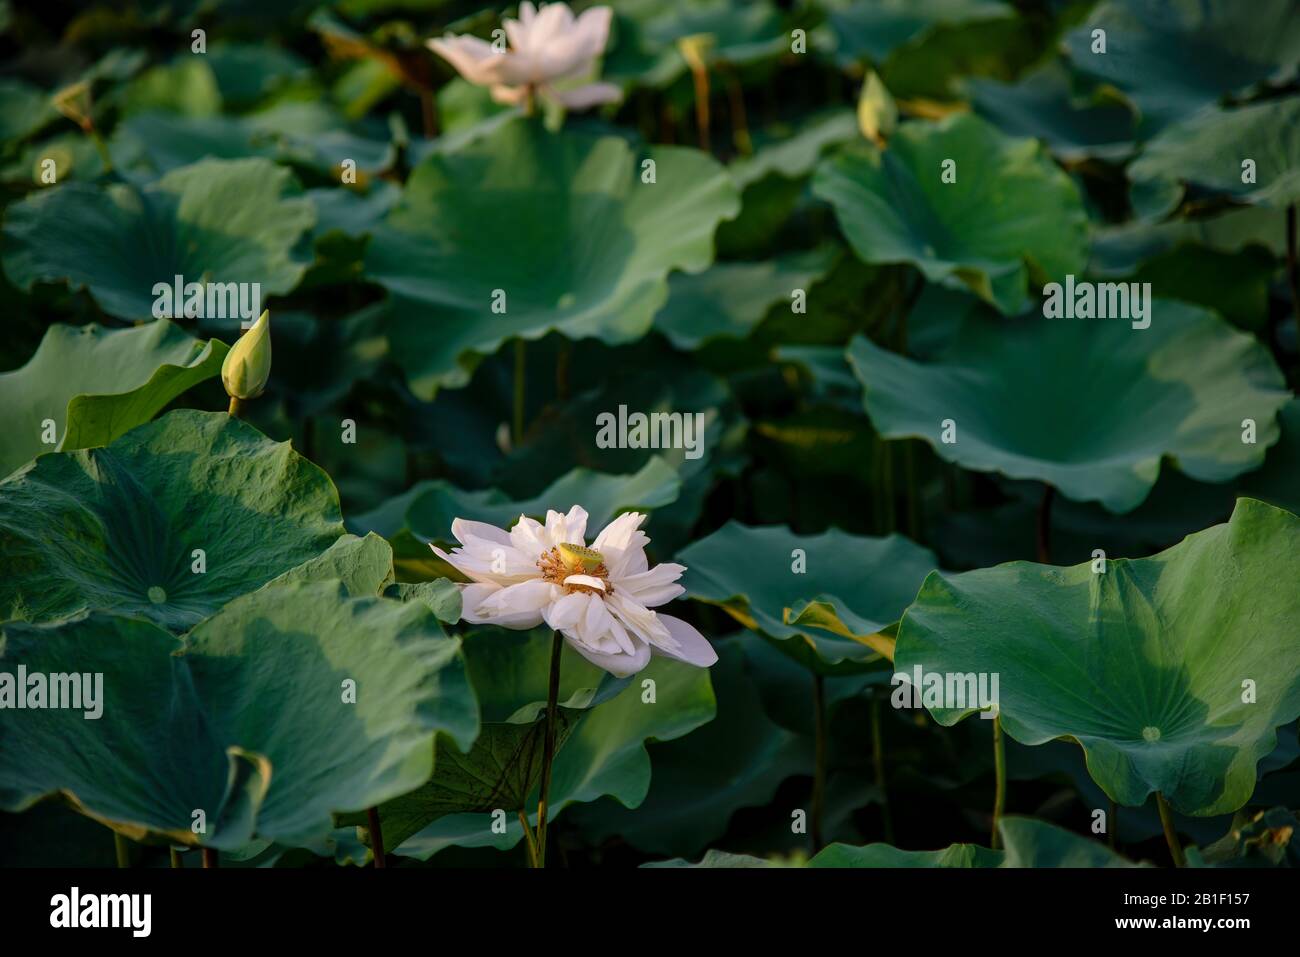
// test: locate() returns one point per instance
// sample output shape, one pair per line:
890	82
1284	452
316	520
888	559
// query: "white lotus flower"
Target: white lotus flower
547	46
598	597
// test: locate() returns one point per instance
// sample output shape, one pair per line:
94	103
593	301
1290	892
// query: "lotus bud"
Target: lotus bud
248	363
580	558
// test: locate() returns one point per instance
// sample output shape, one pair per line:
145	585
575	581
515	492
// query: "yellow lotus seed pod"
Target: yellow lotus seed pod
247	366
580	557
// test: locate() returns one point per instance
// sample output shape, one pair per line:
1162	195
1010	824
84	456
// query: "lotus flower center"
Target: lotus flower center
1150	733
156	595
562	561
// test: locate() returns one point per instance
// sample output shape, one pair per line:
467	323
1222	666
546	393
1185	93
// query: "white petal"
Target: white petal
619	665
653	587
516	606
466	531
692	647
591	581
566	612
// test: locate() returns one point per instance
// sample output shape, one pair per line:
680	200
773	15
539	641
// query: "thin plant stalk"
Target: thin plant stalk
376	837
211	858
123	848
739	119
548	746
878	764
1293	268
175	857
1000	778
1171	835
517	421
819	762
236	407
1045	525
529	839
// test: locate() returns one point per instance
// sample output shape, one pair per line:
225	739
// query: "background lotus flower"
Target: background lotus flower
599	597
547	47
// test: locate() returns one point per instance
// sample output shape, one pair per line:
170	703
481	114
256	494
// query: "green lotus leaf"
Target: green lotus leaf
1027	843
1171	674
24	110
1046	105
424	513
364	566
1010	217
208	722
1037	399
1172	57
214	222
557	229
1208	151
754	575
730	299
795	156
118	528
873	29
716	859
246	72
607	723
735	761
95	384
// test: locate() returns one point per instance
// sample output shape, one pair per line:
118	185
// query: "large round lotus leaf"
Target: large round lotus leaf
1010	216
1207	151
1172	57
117	528
1090	406
1278	482
1171	671
95	384
737	760
606	722
248	718
875	28
1045	104
525	231
217	222
424	513
756	574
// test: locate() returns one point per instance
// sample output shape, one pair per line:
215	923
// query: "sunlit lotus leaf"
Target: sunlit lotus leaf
1172	675
94	384
121	528
873	29
1036	398
524	231
1172	57
213	222
210	721
756	574
1011	215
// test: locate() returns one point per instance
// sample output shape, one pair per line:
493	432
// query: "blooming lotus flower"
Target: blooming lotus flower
599	597
547	46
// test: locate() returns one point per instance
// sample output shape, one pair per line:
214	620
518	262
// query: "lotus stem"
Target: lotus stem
517	422
529	839
236	407
1000	777
101	148
819	762
175	857
1045	525
428	116
376	837
878	763
1171	836
123	848
739	119
211	858
548	747
1293	269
